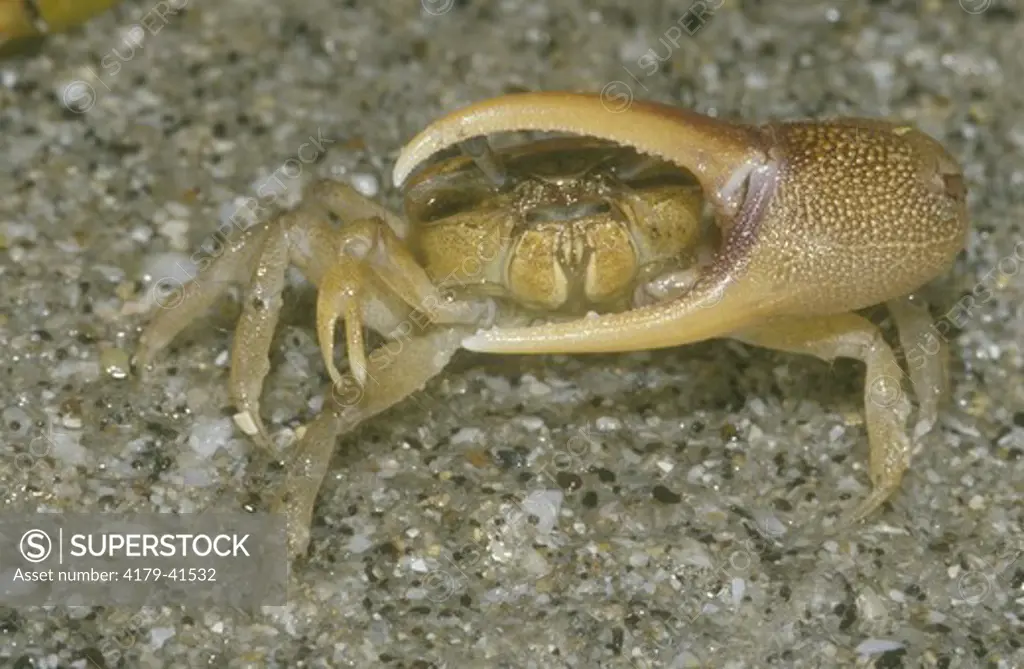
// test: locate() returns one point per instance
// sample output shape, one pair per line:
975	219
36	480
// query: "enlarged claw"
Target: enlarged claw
727	159
817	217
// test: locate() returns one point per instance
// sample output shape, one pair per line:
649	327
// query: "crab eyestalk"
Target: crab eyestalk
485	159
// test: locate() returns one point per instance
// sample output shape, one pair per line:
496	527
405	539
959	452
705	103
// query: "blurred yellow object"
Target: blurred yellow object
33	18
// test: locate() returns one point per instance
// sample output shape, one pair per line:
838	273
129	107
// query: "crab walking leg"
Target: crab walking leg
306	238
234	266
250	350
348	204
302	237
363	273
392	376
927	357
886	406
261	255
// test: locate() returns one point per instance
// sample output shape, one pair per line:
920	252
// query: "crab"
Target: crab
813	222
548	230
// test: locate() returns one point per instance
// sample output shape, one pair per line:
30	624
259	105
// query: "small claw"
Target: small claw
330	306
325	336
340	297
327	311
336	378
356	349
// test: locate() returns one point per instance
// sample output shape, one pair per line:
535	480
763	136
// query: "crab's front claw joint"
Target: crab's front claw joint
719	154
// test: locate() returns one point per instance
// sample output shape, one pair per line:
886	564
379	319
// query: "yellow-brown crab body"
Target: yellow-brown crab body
574	226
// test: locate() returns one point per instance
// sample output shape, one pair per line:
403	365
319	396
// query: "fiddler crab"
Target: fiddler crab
600	235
